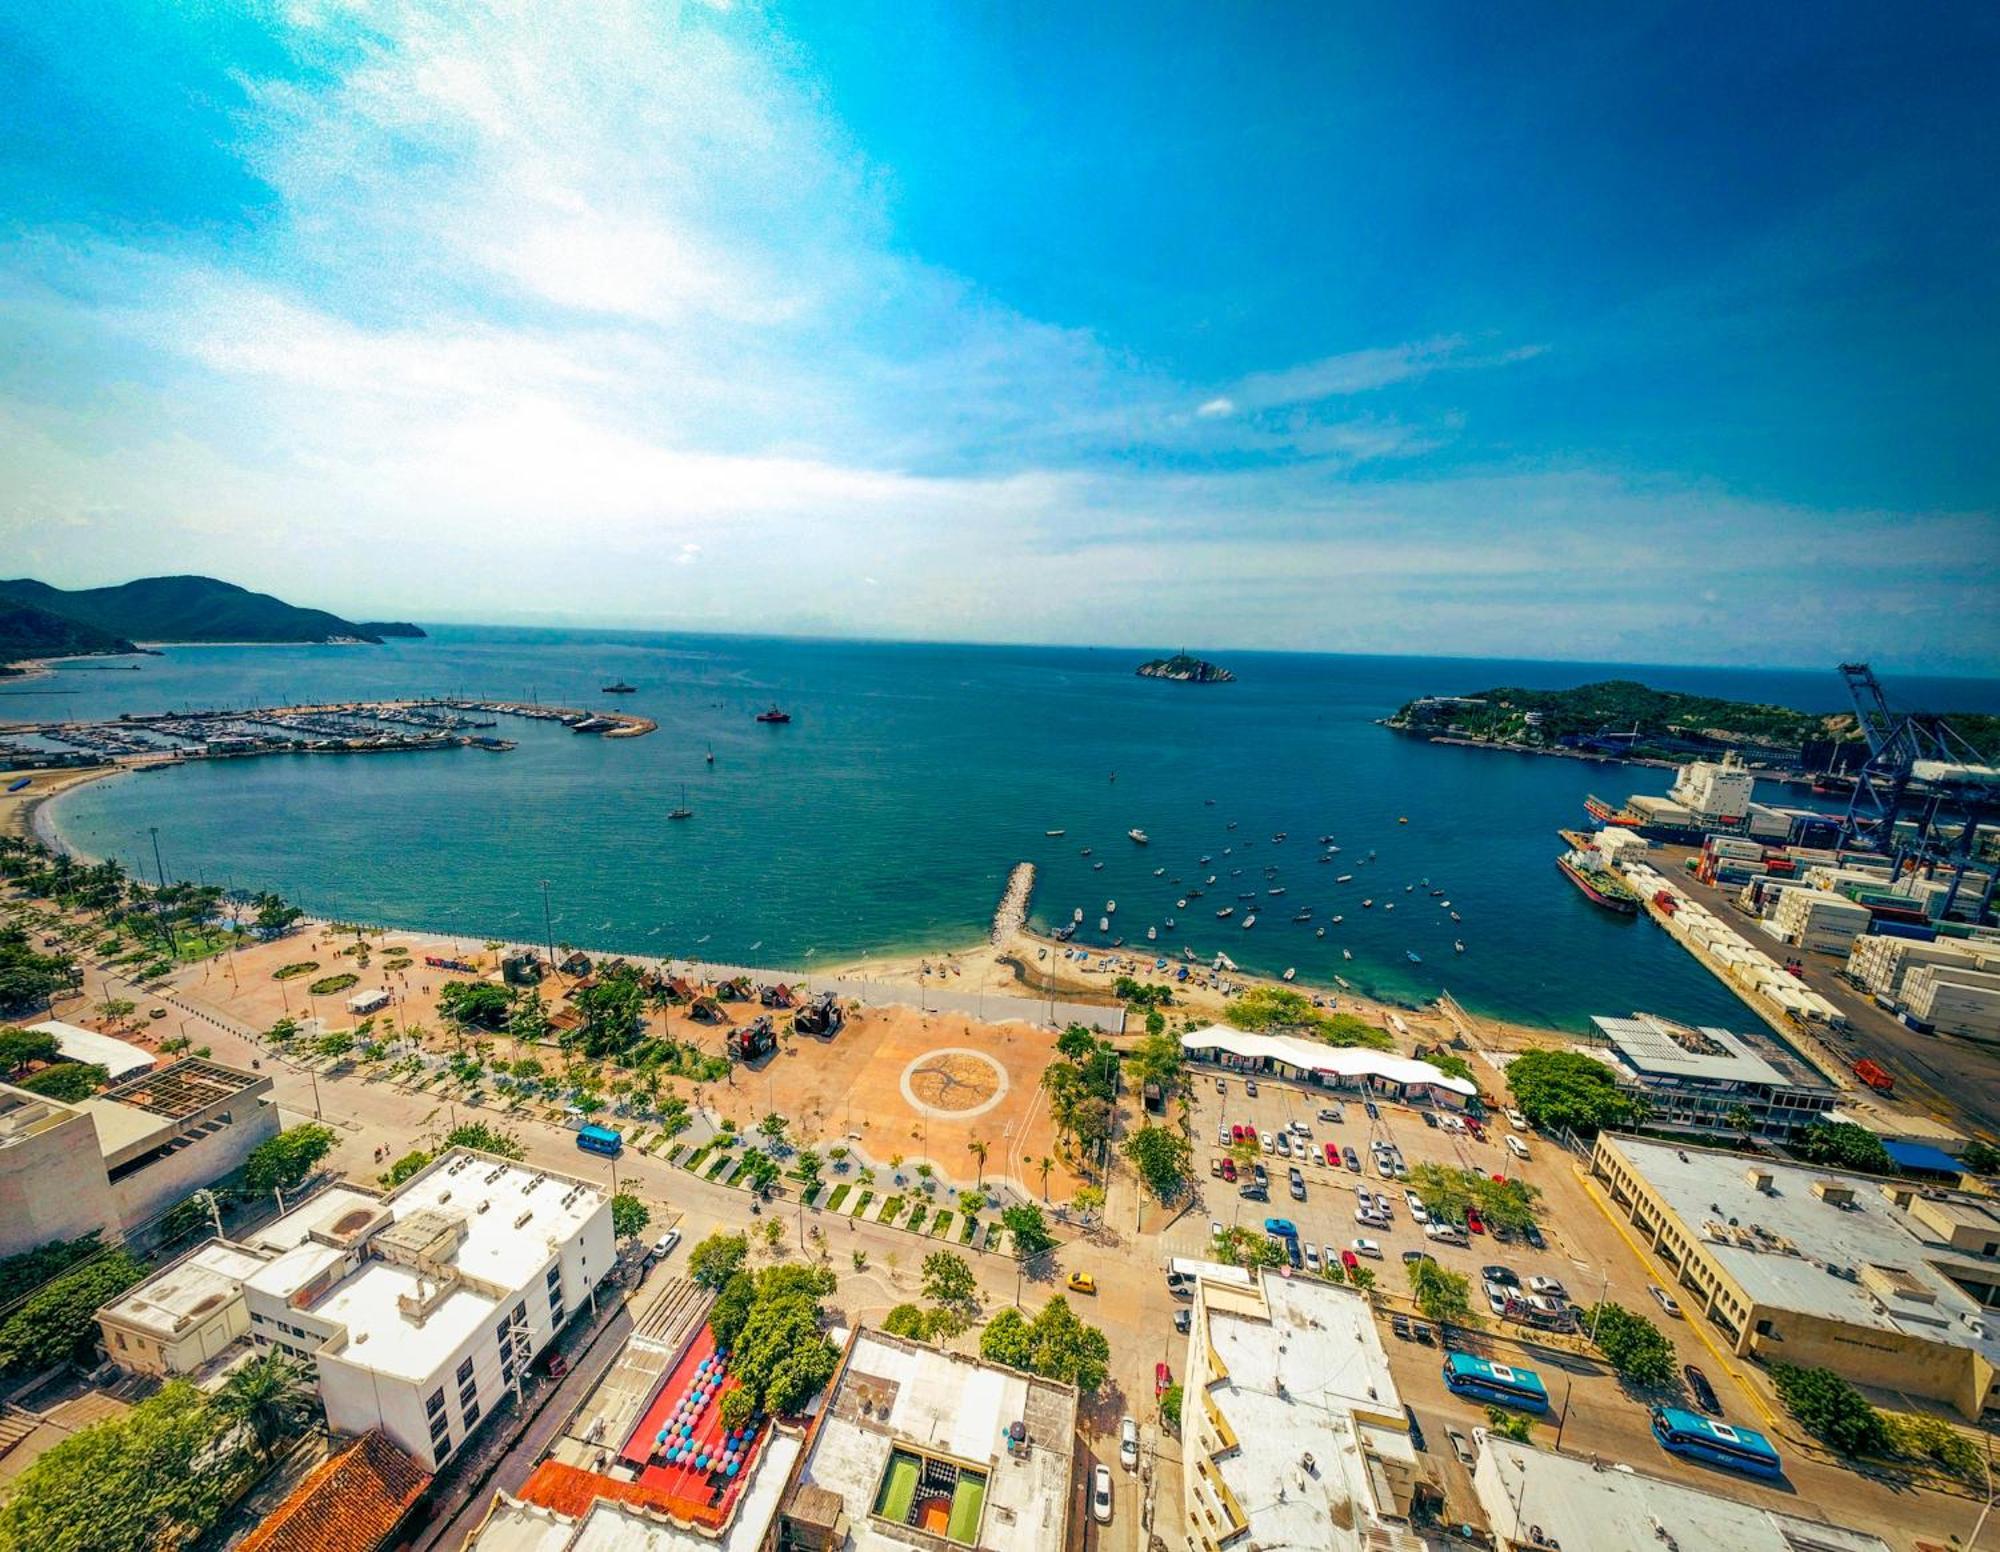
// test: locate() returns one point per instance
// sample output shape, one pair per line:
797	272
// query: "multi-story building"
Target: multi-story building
420	1310
116	1161
1715	792
1709	1079
925	1449
1538	1500
1881	1282
1293	1434
185	1315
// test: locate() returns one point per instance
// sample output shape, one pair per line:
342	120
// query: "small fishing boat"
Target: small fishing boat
1210	879
1413	956
1248	894
1290	973
1278	891
1085	852
1458	944
1231	825
1445	906
1338	920
1052	834
711	754
1152	934
1367	905
1117	942
1203	861
1103	924
1097	867
1347	953
1401	820
1320	932
1111	907
1409	889
1324	857
774	715
1304	913
1077	914
1181	904
616	687
1137	836
1235	872
1326	840
1456	917
1390	906
1345	878
1249	921
1159	872
1278	839
1341	982
1196	894
1168	924
1225	913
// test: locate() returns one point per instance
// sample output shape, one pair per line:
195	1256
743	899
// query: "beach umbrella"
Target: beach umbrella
730	1469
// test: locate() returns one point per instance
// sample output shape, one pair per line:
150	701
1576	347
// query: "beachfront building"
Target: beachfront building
1334	1067
920	1448
116	1161
1537	1500
419	1311
1710	1080
1293	1434
1885	1283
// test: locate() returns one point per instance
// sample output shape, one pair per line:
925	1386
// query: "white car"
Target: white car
664	1245
1312	1257
1445	1233
1215	1229
1329	1255
1373	1220
1516	1120
1128	1445
1366	1247
1664	1299
1285	1144
1270	1144
1222	1137
1548	1287
1300	1129
1100	1494
1419	1213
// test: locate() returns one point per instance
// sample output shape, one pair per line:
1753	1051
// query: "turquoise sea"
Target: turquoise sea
885	817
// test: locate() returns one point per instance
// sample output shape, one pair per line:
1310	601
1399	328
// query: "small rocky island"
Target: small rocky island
1184	669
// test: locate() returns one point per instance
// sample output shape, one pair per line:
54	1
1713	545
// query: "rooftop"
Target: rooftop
1565	1501
23	1114
165	1304
1817	1241
185	1089
1311	1056
893	1392
119	1058
1656	1047
516	1215
349	1504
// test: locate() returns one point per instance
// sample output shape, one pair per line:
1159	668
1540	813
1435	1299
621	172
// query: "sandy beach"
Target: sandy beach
19	810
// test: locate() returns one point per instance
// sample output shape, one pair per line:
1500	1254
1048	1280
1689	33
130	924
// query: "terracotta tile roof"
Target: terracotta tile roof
347	1504
570	1490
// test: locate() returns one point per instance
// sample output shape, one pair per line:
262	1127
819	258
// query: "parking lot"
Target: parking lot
1590	1254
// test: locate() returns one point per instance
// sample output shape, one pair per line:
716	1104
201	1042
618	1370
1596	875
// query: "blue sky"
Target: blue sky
1619	332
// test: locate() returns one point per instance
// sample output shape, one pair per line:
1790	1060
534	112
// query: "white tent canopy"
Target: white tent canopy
1338	1062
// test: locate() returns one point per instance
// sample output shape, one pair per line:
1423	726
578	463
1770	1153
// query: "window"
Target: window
503	1336
521	1313
1765	1328
465	1371
256	1319
434	1405
121	1339
555	1275
471	1415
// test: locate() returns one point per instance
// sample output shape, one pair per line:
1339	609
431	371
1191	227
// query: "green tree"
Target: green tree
405	1167
59	1321
1171	1400
1280	1010
1055	1345
1445	1297
1028	1229
948	1278
21	1048
1159	1059
1556	1089
271	1398
1843	1145
70	1082
738	1407
22	1274
1632	1344
782	1356
1981	1157
1936	1441
731	1308
1509	1425
1162	1157
759	1171
809	1166
717	1259
629	1216
274	917
1239	1246
482	1138
135	1483
1829	1408
285	1160
475	1004
905	1320
1076	1043
773	1126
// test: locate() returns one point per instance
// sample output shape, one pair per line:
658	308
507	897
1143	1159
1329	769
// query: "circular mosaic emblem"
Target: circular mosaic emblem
956	1082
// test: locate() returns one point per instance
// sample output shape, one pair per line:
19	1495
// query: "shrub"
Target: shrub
327	985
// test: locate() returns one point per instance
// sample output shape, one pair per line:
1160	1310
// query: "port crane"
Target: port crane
1919	759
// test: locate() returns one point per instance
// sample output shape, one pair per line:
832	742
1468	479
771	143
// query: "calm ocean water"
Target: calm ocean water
886	815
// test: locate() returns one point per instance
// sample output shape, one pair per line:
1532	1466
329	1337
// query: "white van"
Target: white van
1516	1147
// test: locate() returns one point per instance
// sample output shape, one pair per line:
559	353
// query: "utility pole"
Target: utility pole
548	924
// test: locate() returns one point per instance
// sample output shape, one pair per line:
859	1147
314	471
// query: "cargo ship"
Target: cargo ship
1604	813
1587	871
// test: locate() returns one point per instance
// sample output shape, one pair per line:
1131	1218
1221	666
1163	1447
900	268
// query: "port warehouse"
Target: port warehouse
1886	1283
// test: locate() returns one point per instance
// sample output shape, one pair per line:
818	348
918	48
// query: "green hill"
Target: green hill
184	609
29	632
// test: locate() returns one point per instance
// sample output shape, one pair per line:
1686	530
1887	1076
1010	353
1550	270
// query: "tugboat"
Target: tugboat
617	687
774	715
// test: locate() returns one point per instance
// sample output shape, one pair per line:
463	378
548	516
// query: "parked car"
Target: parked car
1215	1228
1350	1260
1100	1494
1263	1177
552	1363
1550	1287
1516	1120
1505	1276
1270	1143
1312	1258
1704	1393
1300	1129
1332	1155
1459	1446
1474	1224
664	1245
1400	1324
1162	1378
1665	1300
1533	1236
1229	1169
1128	1444
1253	1192
1412	1257
1351	1159
1366	1247
1430	1120
1298	1184
1250	1087
1222	1137
1330	1113
1416	1428
1183	1321
1222	1085
1423	1332
1284	1144
1373	1113
1236	1133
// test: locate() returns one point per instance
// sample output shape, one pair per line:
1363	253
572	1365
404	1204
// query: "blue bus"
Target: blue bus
1465	1375
593	1138
1720	1444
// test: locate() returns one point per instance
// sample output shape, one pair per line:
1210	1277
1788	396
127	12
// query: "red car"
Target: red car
1229	1169
1332	1155
1236	1134
1477	1131
1162	1378
1349	1260
1499	1180
1473	1221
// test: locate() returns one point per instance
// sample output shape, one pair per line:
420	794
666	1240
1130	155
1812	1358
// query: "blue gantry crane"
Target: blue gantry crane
1917	760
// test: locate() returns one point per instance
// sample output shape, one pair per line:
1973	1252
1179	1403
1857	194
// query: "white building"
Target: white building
1715	792
420	1310
119	1058
1540	1501
920	1448
181	1318
1293	1434
1334	1066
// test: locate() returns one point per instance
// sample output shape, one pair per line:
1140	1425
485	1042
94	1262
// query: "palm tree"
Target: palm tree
271	1398
978	1150
1045	1164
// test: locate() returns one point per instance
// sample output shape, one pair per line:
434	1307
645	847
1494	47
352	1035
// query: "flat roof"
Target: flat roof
950	1404
120	1058
317	1211
1921	1155
1663	1048
24	1114
1567	1501
378	1335
169	1302
1301	1362
1311	1056
516	1215
185	1089
1894	1286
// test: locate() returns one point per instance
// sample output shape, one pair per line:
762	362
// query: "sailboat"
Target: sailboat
683	812
711	754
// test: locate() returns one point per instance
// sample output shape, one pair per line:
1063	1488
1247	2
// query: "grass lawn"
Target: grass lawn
839	1195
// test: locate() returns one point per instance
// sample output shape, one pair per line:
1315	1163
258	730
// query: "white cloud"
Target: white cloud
1216	408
